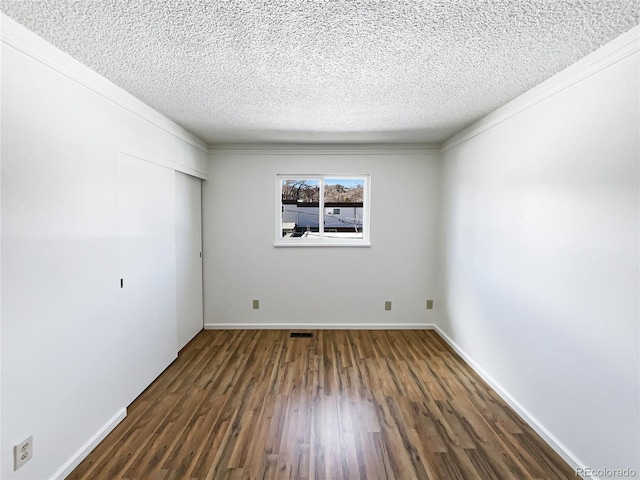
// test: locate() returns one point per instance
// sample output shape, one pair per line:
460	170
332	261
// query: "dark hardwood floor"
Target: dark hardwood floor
256	404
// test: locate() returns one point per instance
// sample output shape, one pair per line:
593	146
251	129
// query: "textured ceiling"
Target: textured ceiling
234	71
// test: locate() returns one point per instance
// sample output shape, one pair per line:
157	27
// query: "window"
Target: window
322	210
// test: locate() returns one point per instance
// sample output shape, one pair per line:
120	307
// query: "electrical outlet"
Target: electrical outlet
429	304
256	304
22	452
387	305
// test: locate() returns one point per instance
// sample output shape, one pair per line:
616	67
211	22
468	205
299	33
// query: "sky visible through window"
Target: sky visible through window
345	182
318	210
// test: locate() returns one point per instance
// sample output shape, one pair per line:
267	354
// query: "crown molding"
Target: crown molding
16	36
147	157
615	51
321	149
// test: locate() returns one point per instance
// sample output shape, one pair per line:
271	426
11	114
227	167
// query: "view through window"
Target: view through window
323	210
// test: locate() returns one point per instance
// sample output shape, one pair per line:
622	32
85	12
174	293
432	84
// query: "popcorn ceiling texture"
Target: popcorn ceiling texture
336	71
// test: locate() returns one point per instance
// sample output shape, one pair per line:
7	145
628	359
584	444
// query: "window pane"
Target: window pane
300	207
343	207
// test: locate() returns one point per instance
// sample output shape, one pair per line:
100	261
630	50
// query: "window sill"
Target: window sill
362	244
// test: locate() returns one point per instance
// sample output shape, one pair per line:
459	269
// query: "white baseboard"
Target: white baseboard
546	435
319	326
82	453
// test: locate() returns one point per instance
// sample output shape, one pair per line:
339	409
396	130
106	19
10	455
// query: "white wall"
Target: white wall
540	224
65	353
539	246
320	287
147	259
188	256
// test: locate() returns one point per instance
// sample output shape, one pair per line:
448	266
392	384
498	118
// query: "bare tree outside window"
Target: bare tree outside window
323	210
306	191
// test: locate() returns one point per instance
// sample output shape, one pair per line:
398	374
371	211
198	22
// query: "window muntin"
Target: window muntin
322	210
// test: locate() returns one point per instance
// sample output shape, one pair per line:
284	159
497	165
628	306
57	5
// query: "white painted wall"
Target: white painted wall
188	256
540	224
65	354
323	287
147	312
539	245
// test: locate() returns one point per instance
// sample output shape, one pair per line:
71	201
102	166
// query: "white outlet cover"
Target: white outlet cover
22	452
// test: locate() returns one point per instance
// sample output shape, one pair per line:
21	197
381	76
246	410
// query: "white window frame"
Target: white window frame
321	240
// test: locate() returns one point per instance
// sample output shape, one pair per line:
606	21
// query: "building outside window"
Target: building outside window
322	210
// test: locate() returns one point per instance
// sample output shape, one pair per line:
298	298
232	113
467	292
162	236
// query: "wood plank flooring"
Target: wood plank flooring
256	404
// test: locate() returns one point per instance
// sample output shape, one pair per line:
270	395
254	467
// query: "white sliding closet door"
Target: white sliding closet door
148	268
188	256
